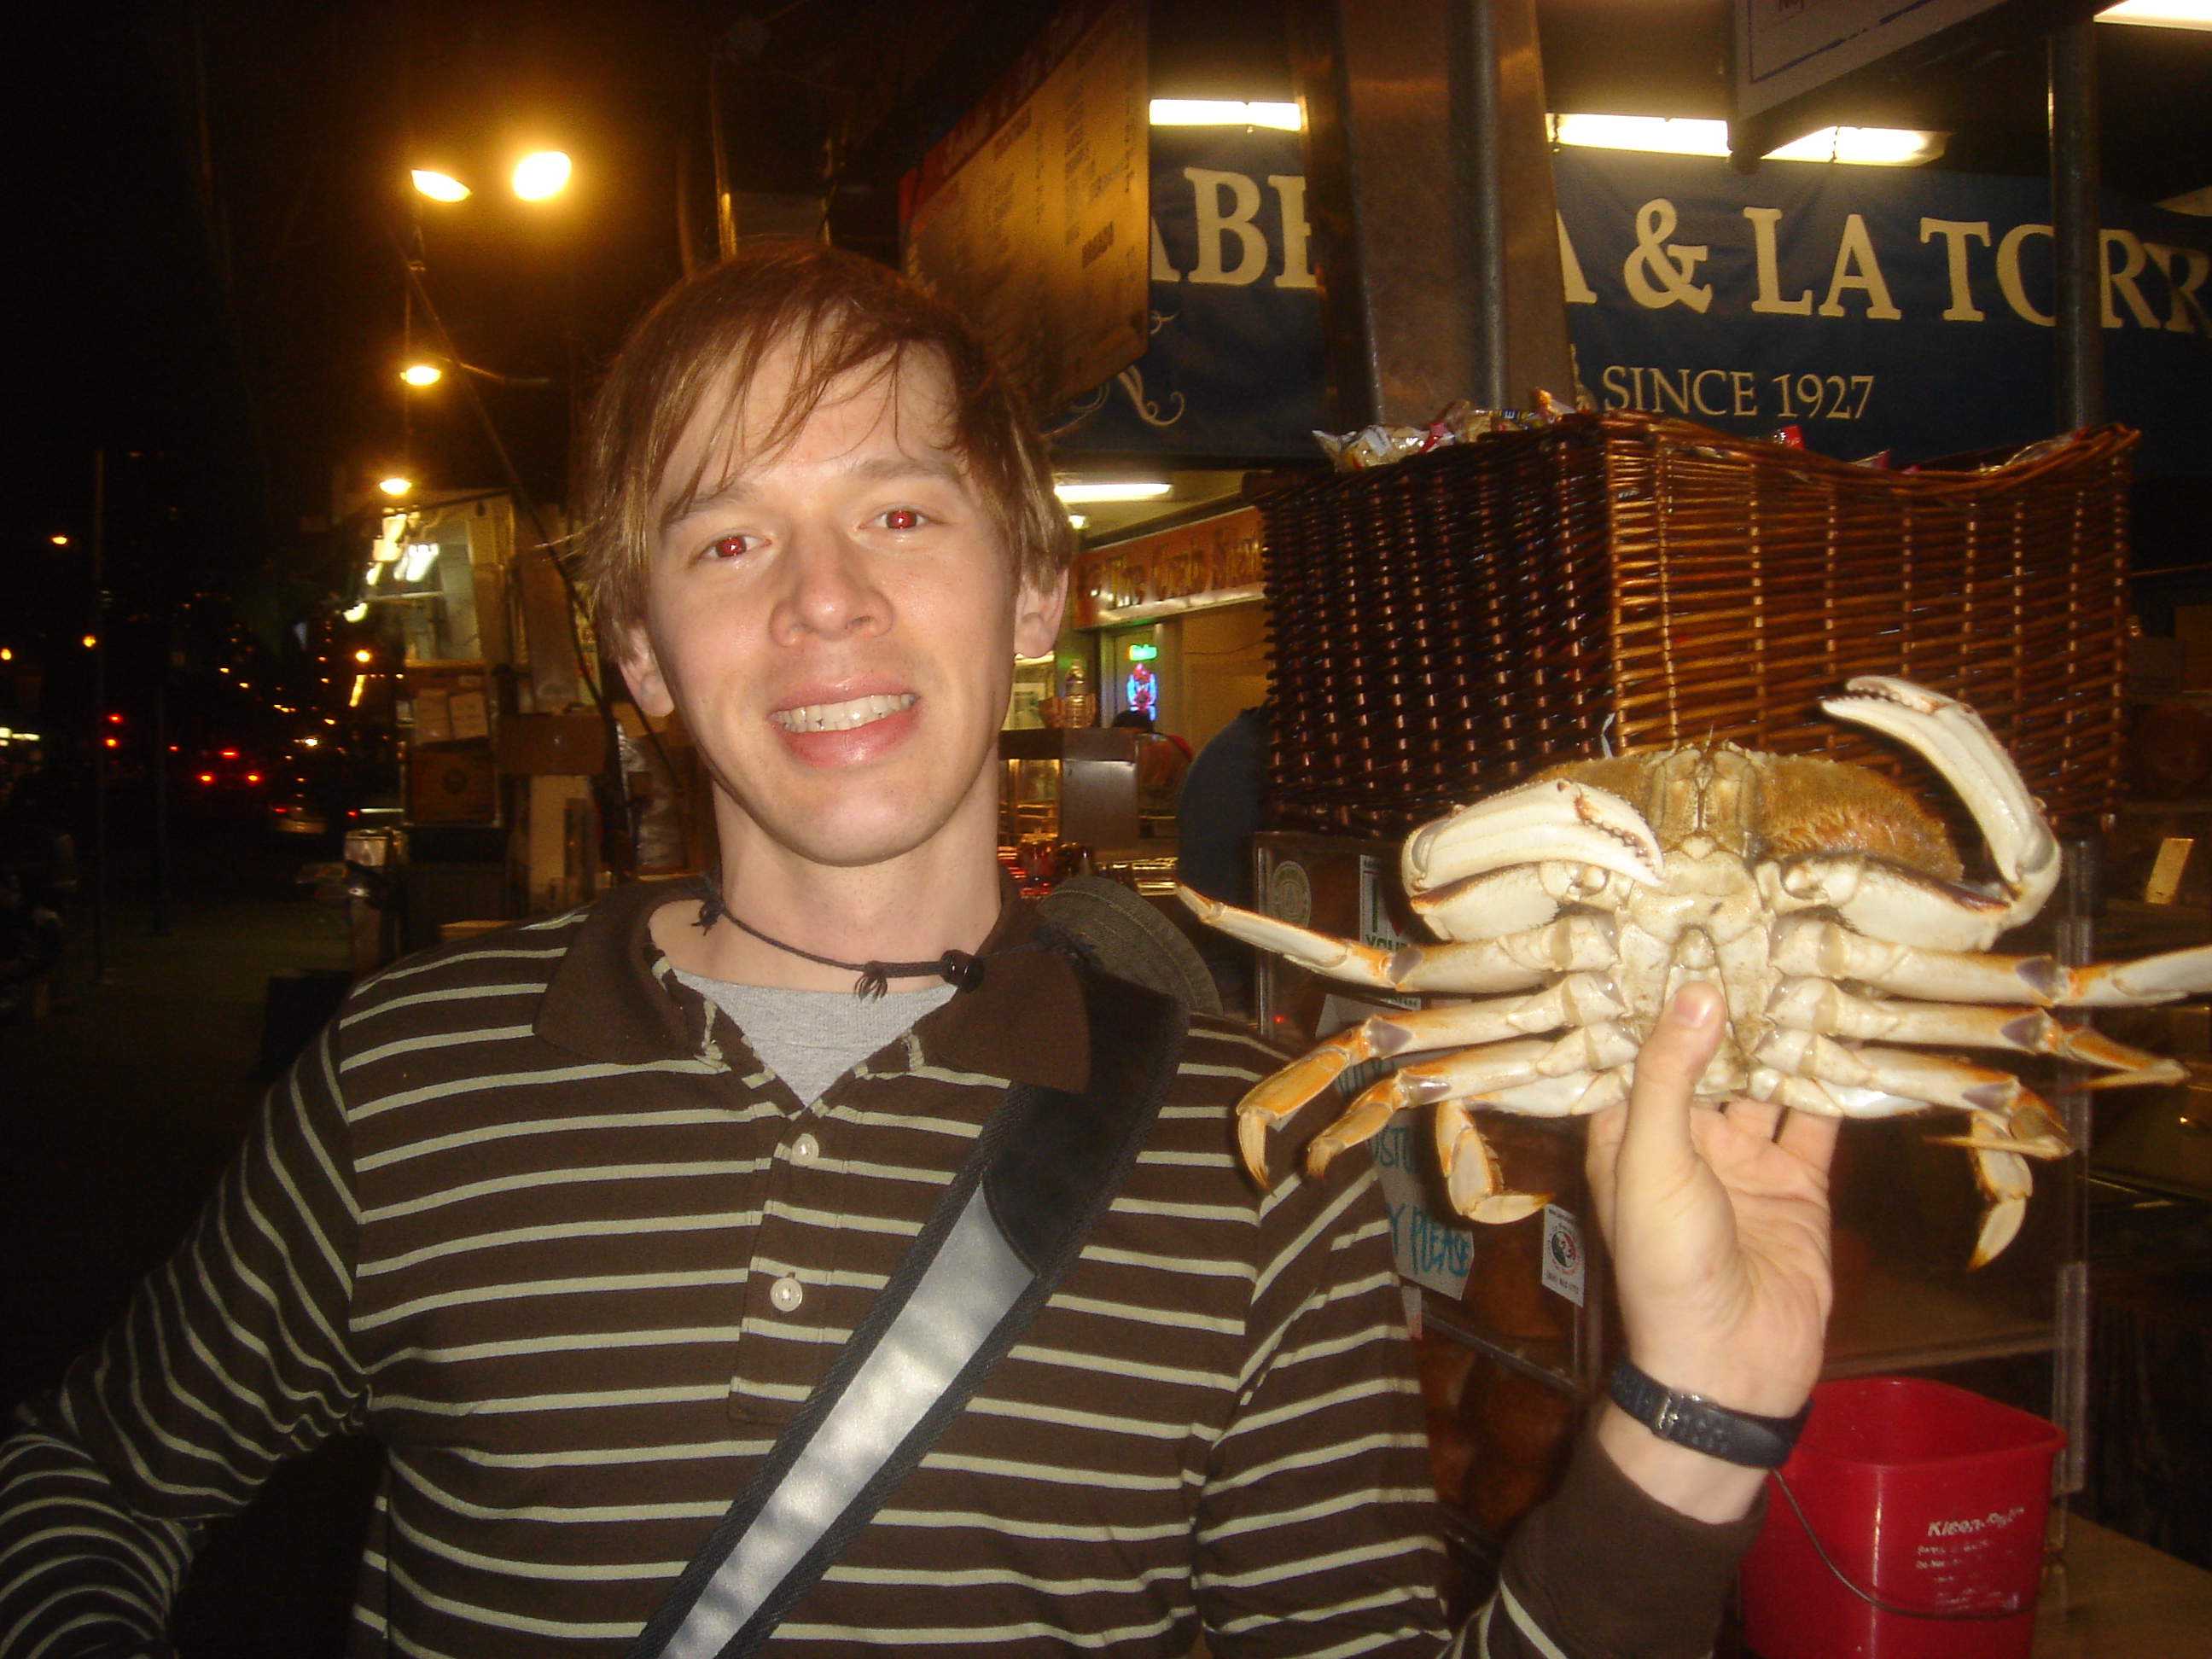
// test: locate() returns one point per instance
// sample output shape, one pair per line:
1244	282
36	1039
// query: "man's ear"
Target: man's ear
1037	613
648	686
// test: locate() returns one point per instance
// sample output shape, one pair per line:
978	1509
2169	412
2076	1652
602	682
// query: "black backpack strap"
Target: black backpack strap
1042	1173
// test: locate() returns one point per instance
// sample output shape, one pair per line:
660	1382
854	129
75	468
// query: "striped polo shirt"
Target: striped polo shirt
532	1214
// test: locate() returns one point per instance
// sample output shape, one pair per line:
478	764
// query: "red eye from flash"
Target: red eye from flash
729	547
902	518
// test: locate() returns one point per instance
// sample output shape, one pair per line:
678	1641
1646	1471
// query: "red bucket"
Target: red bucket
1930	1500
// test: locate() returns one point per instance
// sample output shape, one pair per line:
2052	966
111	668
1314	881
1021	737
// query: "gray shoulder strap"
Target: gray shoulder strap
1012	1220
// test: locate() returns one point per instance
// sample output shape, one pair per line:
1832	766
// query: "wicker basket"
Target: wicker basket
1448	624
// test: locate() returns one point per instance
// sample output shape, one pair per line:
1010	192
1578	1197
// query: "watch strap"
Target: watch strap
1691	1420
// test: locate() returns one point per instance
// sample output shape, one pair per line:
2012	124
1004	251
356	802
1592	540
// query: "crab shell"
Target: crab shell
1825	902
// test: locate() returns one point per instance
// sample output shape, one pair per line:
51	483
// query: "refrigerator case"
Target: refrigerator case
1515	1326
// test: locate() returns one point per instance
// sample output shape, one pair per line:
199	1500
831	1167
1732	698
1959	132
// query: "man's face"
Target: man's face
837	622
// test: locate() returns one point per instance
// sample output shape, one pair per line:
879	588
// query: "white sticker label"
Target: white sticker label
1376	930
1431	1250
1562	1254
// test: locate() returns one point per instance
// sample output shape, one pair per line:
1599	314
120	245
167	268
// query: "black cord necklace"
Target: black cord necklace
957	968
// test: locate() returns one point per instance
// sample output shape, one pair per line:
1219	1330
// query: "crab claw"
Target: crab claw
1472	1178
1553	819
1952	740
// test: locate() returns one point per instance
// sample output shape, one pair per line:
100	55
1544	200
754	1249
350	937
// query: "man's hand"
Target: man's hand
1719	1230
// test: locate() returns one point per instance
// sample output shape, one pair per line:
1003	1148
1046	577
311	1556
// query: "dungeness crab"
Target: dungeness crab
1824	902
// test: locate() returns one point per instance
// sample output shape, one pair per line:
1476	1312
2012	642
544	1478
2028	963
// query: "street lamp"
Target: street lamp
422	375
440	186
394	486
542	174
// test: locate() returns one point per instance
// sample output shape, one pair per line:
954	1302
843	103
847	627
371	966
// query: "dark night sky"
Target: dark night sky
206	204
202	198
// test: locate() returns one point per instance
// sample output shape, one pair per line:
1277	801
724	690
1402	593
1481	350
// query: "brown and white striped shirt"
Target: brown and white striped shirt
532	1214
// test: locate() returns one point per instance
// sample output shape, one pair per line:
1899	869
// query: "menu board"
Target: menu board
1788	48
1031	215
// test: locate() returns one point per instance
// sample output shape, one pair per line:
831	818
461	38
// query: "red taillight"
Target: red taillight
115	743
276	809
230	754
253	777
207	777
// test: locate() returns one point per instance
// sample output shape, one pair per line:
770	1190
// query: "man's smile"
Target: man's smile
841	716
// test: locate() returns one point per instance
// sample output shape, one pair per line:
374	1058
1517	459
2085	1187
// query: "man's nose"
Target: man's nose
830	588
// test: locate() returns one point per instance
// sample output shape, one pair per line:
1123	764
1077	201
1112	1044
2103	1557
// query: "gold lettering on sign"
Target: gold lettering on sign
1769	301
2196	264
2123	281
1956	234
1214	225
1658	272
2008	283
1579	292
1856	268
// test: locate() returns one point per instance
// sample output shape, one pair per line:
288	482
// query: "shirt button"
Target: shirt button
805	1150
787	1293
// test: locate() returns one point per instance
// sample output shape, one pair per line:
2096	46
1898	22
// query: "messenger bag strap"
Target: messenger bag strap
1042	1173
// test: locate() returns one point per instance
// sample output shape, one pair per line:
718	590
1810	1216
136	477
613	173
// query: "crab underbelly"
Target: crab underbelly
1716	931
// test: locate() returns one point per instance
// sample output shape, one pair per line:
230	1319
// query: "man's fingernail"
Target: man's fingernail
1696	1006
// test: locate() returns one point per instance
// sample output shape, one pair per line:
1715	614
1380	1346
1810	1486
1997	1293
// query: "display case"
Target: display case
1076	787
1517	1329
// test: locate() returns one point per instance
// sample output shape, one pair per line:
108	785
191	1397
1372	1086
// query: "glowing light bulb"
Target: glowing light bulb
543	174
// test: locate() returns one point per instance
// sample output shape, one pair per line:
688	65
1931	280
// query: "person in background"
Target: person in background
1217	815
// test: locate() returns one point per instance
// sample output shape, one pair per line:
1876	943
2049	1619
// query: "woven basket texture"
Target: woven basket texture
1450	624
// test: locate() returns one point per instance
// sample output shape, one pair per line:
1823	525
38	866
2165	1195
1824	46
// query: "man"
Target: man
574	1219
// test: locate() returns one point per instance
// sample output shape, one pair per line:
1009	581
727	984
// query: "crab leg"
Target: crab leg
1805	945
2161	978
1935	1078
1578	999
1475	1183
1470	1073
2009	1122
1554	820
1951	736
1814	1004
1336	958
1576	944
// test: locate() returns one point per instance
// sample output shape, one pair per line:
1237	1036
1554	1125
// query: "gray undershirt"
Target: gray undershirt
811	1038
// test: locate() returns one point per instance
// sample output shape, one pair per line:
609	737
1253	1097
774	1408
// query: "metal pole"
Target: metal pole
159	898
1478	136
99	716
725	219
2077	244
2074	944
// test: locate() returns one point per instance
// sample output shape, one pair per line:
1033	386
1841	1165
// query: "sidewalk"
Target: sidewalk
116	1118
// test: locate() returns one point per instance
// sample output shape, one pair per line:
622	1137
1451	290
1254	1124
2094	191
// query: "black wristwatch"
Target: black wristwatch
1689	1420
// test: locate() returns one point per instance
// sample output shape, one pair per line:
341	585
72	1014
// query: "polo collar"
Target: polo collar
1024	1023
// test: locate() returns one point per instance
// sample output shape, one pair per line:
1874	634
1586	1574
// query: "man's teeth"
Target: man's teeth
841	716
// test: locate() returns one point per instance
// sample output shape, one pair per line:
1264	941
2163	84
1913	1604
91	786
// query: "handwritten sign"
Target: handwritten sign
1431	1250
1030	218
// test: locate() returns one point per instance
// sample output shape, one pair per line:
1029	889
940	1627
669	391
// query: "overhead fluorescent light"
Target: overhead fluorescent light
1223	113
1893	147
1866	147
2161	13
1138	489
420	556
1079	521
